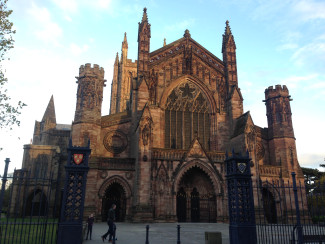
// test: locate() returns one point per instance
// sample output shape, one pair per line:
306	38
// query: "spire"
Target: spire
144	24
227	29
229	56
144	36
124	49
164	41
116	59
144	17
228	37
125	42
49	114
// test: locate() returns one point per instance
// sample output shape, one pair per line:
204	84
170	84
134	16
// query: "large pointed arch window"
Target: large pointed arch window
186	115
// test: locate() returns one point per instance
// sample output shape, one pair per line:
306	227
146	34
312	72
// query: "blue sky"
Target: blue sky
278	42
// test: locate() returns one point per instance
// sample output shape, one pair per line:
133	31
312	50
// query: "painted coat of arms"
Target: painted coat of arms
77	158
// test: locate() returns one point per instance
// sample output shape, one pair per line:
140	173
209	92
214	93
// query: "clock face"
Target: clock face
115	141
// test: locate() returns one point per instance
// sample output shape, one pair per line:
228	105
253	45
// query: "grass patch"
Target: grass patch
28	230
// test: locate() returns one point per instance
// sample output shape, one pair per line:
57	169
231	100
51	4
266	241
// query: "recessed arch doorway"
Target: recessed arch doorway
114	194
36	204
269	206
195	199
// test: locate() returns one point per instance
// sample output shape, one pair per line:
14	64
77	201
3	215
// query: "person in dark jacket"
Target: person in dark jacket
90	222
111	225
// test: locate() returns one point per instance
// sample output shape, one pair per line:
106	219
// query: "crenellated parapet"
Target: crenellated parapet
278	91
87	70
278	111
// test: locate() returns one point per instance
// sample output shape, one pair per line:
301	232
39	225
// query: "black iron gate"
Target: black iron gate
287	213
31	211
194	207
29	208
278	211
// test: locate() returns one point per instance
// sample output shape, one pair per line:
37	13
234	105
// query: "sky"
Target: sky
278	42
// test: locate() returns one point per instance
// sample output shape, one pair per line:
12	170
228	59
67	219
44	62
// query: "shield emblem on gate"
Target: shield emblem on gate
77	158
241	167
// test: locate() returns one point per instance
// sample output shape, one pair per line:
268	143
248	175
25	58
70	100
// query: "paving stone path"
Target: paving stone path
160	233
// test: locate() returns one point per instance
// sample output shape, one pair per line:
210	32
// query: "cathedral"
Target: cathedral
160	153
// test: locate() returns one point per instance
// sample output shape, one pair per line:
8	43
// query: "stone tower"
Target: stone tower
124	71
87	120
282	142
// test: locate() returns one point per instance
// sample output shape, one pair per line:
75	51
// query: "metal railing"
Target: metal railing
28	208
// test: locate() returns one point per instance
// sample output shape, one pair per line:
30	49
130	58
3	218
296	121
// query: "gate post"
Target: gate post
4	180
299	227
70	226
242	227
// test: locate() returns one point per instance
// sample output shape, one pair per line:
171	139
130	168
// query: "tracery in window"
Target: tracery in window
186	116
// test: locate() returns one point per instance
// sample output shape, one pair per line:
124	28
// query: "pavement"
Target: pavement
160	233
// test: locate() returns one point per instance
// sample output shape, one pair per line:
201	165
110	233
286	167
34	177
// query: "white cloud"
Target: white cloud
293	82
287	46
103	4
318	85
181	25
309	10
45	28
311	160
269	9
42	72
321	38
290	40
297	79
312	54
68	18
289	10
69	6
77	50
50	32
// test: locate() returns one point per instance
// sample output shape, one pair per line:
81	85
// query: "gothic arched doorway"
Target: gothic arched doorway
114	194
181	205
36	204
196	201
269	206
195	205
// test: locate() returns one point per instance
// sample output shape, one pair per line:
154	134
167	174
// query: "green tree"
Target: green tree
8	112
312	178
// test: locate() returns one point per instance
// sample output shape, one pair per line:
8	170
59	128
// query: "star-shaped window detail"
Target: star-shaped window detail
187	91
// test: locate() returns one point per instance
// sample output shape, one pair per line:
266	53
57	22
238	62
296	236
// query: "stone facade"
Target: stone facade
174	113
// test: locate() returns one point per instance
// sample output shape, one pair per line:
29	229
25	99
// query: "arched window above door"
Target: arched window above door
186	116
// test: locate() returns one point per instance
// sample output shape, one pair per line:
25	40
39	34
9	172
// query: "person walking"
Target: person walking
111	226
90	222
